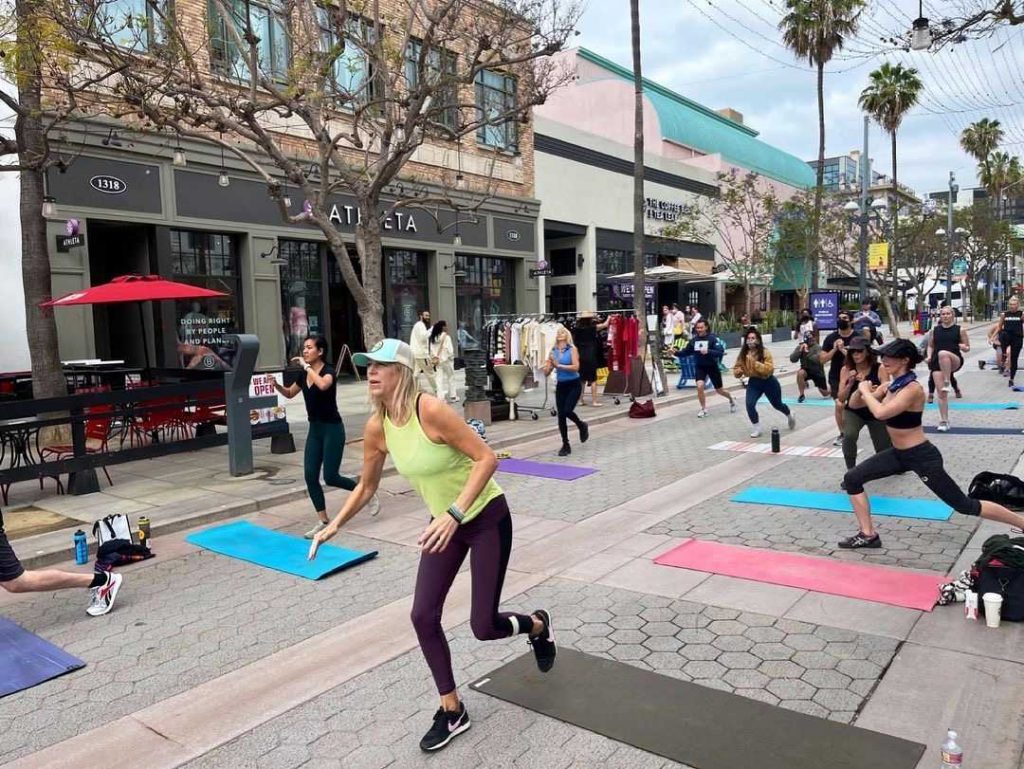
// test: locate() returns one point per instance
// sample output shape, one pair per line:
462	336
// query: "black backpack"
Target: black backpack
1000	569
1007	490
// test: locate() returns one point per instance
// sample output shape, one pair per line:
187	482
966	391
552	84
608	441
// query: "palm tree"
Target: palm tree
891	94
999	171
817	30
980	139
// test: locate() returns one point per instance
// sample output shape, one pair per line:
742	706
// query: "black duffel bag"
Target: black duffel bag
1000	569
1006	490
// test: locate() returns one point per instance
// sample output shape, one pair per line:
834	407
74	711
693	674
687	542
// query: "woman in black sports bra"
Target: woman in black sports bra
1011	335
900	403
861	365
946	347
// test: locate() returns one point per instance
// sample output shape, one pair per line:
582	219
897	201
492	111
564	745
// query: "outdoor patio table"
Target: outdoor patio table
21	438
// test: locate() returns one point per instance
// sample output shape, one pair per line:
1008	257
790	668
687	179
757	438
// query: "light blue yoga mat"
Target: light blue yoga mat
953	405
275	550
894	507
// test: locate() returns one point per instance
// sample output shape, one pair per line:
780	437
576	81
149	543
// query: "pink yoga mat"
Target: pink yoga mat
881	584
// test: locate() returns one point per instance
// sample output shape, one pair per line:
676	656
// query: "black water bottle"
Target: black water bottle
776	445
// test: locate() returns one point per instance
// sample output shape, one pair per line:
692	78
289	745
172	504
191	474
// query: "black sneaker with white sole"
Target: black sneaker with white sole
446	727
860	540
544	644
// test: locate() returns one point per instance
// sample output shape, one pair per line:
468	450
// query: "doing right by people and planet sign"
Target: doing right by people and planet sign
825	309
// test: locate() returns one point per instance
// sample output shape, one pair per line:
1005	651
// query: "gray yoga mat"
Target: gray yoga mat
694	725
976	430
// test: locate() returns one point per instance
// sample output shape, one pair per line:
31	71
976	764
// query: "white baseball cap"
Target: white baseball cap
387	351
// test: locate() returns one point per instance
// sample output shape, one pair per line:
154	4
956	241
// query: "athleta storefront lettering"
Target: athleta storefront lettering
350	216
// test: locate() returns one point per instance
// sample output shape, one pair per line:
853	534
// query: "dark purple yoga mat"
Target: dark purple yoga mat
26	660
544	469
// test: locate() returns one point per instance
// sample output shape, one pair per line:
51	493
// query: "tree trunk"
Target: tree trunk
41	328
370	249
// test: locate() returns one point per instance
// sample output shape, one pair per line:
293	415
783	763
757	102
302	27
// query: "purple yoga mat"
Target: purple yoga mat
544	469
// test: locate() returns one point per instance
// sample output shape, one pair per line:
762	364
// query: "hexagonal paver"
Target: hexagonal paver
781	669
739	660
625	652
826	679
805	642
859	668
663	644
700	652
771	651
815	660
764	634
727	627
628	636
594	630
695	636
791	689
837	699
658	614
660	628
746	679
595	615
733	643
704	669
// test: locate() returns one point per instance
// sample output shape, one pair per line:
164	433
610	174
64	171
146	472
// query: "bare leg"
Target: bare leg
862	510
943	396
946	362
725	394
996	512
700	396
839	417
47	579
801	382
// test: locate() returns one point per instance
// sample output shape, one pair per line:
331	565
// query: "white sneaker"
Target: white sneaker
943	427
791	420
756	432
838	441
947	388
320	526
702	413
732	407
102	599
373	506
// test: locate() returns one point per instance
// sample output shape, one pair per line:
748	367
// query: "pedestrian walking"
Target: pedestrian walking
591	351
325	441
808	355
442	357
755	363
419	341
707	353
103	586
946	347
452	470
1011	336
900	404
833	352
862	365
564	359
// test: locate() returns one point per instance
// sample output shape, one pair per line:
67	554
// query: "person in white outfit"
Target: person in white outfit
419	342
442	356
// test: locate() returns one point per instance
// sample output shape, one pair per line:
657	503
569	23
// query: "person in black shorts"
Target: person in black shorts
707	352
899	404
946	350
588	342
1011	336
808	355
834	349
103	585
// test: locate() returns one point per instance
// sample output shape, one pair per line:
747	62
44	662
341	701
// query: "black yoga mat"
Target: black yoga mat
694	725
976	430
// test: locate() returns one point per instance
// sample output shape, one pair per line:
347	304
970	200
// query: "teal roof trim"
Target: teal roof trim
694	125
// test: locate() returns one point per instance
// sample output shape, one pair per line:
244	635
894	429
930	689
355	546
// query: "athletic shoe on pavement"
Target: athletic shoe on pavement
756	432
732	406
838	441
947	388
791	421
702	413
446	727
544	644
801	399
943	427
103	596
320	526
584	432
859	540
1010	383
373	506
565	451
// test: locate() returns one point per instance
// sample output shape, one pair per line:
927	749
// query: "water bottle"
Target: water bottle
952	753
144	531
776	441
81	548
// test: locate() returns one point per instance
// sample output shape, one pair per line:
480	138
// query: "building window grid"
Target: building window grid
440	63
134	24
203	254
353	75
495	96
266	18
614	261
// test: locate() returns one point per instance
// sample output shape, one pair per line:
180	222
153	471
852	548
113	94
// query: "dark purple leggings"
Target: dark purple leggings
488	540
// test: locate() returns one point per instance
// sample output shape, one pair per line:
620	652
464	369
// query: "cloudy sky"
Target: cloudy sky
728	53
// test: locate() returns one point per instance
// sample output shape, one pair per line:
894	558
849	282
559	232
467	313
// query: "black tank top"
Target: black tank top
1013	325
863	412
947	339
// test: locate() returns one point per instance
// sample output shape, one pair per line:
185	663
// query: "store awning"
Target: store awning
665	274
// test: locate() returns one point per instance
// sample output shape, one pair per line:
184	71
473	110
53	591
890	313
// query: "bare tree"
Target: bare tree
349	101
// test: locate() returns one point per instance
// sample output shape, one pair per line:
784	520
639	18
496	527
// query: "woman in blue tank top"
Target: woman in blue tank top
564	359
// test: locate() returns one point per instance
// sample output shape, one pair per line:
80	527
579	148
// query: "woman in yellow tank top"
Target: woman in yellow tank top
452	469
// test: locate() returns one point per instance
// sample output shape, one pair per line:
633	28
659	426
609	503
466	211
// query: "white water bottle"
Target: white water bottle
952	753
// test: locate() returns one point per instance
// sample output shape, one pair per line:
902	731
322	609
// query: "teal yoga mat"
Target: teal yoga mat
894	507
953	405
275	550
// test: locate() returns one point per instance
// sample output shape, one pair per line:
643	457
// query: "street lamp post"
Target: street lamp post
953	189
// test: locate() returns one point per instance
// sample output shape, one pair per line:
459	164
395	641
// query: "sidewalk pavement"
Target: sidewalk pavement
193	488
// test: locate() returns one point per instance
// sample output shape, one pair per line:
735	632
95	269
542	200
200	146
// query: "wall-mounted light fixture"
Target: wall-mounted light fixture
286	198
222	178
579	260
457	272
49	207
112	139
273	259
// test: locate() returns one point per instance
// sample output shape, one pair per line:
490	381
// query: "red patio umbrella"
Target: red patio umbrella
133	288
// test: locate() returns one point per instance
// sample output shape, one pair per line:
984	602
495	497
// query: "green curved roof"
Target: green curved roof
694	125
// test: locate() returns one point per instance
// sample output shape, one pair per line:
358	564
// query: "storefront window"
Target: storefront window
488	288
618	294
302	293
406	291
209	260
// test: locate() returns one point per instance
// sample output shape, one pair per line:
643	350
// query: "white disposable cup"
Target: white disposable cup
993	607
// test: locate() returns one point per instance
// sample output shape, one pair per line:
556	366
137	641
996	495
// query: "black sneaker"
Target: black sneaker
801	399
565	450
544	644
584	432
446	727
859	540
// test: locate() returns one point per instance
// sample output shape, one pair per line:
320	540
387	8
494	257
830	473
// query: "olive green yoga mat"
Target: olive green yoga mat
694	725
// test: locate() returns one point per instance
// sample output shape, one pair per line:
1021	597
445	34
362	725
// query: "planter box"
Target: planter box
782	334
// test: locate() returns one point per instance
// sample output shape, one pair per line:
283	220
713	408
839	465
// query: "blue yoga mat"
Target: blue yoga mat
894	507
275	550
953	405
26	660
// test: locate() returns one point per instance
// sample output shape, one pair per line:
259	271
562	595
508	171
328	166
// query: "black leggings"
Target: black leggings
488	540
567	395
1012	349
923	459
325	444
771	389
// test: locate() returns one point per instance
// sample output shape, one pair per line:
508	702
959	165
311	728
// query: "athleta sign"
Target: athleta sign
350	215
